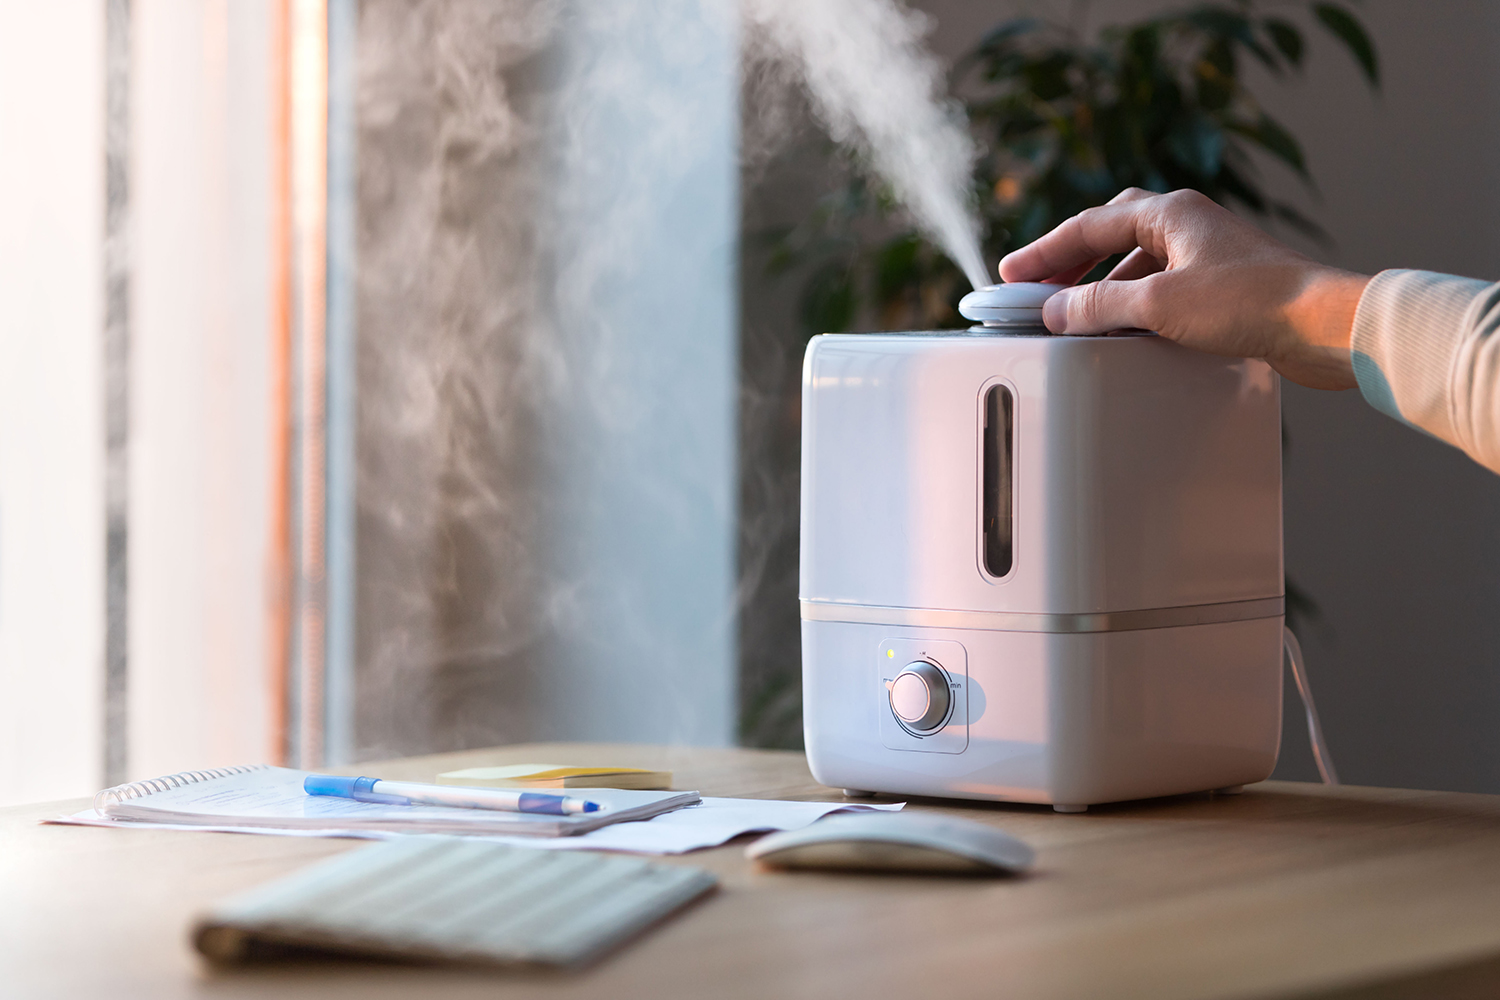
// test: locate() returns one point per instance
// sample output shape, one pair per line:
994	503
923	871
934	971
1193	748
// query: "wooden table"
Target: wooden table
1287	890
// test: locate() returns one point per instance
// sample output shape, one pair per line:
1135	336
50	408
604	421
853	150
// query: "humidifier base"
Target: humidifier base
1065	719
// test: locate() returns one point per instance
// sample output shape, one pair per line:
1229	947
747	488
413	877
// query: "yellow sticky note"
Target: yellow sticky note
556	776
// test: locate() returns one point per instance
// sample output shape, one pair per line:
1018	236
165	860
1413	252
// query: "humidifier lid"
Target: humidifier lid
1011	304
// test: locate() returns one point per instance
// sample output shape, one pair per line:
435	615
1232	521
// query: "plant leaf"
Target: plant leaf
1048	77
897	267
1216	77
1307	227
1198	145
1347	29
1006	30
997	46
1269	134
1225	25
1237	186
829	299
1286	38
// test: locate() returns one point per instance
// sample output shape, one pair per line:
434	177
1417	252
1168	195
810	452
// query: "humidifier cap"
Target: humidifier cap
1015	303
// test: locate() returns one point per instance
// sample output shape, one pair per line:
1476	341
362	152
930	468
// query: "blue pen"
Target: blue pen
408	793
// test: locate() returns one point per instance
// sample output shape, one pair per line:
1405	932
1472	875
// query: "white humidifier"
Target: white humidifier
1038	568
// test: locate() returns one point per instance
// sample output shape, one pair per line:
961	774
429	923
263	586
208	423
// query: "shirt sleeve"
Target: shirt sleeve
1426	351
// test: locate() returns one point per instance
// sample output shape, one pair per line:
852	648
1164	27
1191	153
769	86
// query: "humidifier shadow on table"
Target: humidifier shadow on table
1280	803
1475	980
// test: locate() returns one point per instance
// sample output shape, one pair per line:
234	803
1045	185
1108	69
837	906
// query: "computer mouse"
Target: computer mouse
896	842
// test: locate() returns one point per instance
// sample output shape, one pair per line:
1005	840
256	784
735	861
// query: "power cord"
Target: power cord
1314	727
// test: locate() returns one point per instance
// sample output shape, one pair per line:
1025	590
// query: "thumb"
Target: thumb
1102	306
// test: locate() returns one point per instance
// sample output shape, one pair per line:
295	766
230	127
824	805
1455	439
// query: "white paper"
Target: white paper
710	824
273	798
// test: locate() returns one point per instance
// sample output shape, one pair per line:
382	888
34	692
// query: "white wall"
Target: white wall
200	688
51	398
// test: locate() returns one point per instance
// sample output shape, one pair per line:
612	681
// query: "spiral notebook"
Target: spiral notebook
261	797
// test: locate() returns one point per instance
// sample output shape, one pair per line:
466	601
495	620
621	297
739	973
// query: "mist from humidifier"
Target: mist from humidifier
877	89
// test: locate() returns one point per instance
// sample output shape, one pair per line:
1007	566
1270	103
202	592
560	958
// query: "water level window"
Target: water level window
998	502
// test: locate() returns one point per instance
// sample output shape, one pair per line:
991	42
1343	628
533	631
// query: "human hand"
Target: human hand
1202	276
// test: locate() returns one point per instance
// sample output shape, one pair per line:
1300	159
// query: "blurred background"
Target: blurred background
389	376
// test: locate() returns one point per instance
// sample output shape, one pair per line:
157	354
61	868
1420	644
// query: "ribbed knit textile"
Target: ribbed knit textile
1425	351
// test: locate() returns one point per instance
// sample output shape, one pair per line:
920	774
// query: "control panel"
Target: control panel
923	695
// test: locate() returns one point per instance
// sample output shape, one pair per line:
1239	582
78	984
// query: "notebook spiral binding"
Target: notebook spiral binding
136	789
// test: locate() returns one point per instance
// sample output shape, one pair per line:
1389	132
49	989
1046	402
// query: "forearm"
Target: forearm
1315	329
1425	350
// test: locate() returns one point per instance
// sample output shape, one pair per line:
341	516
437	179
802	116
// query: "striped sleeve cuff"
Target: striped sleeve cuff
1424	351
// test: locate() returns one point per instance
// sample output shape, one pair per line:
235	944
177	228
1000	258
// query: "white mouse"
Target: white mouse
908	842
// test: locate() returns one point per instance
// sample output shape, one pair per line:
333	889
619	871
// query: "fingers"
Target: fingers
1135	219
1087	238
1074	275
1073	272
1138	264
1105	305
1131	194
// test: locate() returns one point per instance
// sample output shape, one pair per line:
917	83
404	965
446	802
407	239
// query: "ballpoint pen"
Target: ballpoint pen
407	793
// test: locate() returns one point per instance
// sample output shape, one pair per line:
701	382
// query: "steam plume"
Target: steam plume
876	89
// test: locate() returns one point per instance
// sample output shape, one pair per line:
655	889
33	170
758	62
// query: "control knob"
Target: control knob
920	696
